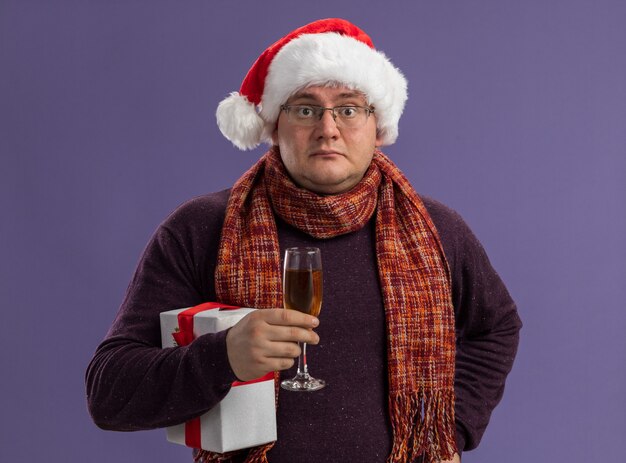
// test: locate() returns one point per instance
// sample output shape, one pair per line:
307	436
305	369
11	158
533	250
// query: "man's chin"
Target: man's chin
327	186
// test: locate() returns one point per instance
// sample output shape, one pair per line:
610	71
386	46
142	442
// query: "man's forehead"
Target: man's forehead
327	92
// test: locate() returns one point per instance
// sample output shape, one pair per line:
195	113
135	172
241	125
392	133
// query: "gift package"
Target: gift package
246	417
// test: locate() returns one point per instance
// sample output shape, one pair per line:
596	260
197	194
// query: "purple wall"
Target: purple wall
516	118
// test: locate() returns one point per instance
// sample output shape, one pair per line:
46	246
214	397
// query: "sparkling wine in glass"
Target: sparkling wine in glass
302	290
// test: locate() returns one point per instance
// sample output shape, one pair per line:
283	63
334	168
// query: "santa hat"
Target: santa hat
328	50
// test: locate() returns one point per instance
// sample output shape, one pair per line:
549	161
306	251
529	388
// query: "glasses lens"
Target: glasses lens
350	116
345	116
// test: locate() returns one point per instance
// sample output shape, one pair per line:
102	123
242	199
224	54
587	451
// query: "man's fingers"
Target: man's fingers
277	356
292	334
282	364
282	325
274	351
267	340
288	318
289	350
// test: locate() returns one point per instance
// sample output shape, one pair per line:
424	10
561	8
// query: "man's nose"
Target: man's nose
327	124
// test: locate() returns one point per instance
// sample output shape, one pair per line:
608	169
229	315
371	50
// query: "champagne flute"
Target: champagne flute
302	290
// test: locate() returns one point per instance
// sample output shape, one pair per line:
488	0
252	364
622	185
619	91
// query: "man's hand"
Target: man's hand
266	340
455	459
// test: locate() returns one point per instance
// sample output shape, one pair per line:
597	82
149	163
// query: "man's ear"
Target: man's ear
379	139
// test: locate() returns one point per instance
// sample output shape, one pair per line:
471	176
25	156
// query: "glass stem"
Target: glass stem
302	368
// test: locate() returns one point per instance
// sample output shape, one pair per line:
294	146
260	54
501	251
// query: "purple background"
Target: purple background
516	118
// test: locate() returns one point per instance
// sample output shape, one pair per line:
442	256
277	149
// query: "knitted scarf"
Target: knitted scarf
413	272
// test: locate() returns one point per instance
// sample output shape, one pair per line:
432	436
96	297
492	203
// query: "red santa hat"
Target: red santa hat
325	51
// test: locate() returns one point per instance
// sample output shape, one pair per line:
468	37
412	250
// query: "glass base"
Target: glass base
303	382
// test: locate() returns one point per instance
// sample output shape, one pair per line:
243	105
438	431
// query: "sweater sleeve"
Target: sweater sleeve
132	383
487	326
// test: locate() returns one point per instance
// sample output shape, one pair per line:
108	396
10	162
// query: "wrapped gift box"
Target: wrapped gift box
246	417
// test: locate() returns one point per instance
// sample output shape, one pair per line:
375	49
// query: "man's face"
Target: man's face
324	158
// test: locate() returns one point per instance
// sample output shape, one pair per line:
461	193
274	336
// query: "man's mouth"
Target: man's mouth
323	153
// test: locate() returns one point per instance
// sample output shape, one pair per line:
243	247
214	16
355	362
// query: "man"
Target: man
417	333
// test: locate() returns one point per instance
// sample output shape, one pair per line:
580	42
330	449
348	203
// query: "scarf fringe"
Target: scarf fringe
256	455
423	424
204	456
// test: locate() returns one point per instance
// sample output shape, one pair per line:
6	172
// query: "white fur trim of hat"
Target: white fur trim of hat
248	118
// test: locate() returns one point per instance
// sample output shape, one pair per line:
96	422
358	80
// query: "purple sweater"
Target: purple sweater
133	384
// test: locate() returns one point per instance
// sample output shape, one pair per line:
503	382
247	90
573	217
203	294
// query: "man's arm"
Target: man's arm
487	326
133	384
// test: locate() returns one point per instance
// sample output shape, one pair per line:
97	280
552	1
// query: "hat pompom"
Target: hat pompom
239	121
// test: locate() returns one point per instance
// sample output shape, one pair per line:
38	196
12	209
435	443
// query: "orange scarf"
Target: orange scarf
413	272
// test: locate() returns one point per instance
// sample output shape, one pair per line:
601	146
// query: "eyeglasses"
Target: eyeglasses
352	117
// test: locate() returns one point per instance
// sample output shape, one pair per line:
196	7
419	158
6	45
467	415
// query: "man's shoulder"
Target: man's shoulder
443	216
456	236
202	212
207	203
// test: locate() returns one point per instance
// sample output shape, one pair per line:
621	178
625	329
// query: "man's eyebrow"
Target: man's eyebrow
303	95
351	95
311	96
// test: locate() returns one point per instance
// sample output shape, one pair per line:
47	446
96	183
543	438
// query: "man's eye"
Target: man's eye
348	111
305	111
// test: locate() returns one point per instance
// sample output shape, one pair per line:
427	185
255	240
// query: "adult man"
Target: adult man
399	272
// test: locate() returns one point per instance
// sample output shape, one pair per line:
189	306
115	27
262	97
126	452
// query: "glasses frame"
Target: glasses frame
320	110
